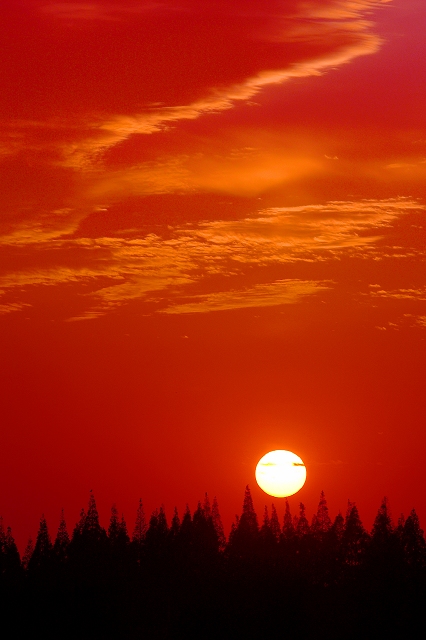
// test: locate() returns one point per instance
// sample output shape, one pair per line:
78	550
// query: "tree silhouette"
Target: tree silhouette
275	524
288	531
217	523
40	561
354	538
28	552
244	537
302	524
139	531
62	540
321	522
413	542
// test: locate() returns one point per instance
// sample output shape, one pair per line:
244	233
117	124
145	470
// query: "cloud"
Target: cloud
12	306
167	271
401	294
175	72
272	294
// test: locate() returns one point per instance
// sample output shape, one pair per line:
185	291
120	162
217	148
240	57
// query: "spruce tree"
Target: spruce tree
243	543
12	560
302	526
175	525
62	540
139	531
354	537
28	552
288	524
275	524
382	527
321	522
114	526
217	523
413	542
41	558
267	539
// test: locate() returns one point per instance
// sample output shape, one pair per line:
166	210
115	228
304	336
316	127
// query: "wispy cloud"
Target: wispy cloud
272	294
217	255
400	294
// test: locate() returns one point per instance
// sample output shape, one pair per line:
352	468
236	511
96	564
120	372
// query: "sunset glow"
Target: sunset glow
212	242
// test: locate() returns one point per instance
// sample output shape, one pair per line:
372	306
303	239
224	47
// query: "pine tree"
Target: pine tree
245	536
79	527
217	523
157	533
354	537
206	506
91	526
382	527
338	526
267	538
2	547
114	526
175	525
62	539
413	541
29	550
41	558
139	531
205	540
302	526
12	560
321	522
288	524
123	535
275	524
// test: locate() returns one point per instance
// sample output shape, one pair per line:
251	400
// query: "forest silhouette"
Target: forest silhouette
183	579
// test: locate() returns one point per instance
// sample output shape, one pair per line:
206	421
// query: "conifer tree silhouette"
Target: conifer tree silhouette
243	542
91	526
62	540
288	531
114	526
205	540
2	546
382	527
267	540
157	533
41	558
413	542
354	537
385	554
338	526
12	560
302	524
206	506
175	525
139	531
217	523
321	522
275	524
28	552
10	563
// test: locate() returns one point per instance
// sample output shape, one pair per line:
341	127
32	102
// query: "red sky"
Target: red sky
212	245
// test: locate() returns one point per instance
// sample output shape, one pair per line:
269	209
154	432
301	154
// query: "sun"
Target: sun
280	473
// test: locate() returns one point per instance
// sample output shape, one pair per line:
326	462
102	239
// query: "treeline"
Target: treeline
184	577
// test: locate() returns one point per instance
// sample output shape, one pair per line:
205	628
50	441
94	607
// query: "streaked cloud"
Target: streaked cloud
401	294
272	294
219	255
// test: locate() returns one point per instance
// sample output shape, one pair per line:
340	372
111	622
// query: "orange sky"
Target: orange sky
212	245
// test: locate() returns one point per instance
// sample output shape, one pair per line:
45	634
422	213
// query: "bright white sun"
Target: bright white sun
280	473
